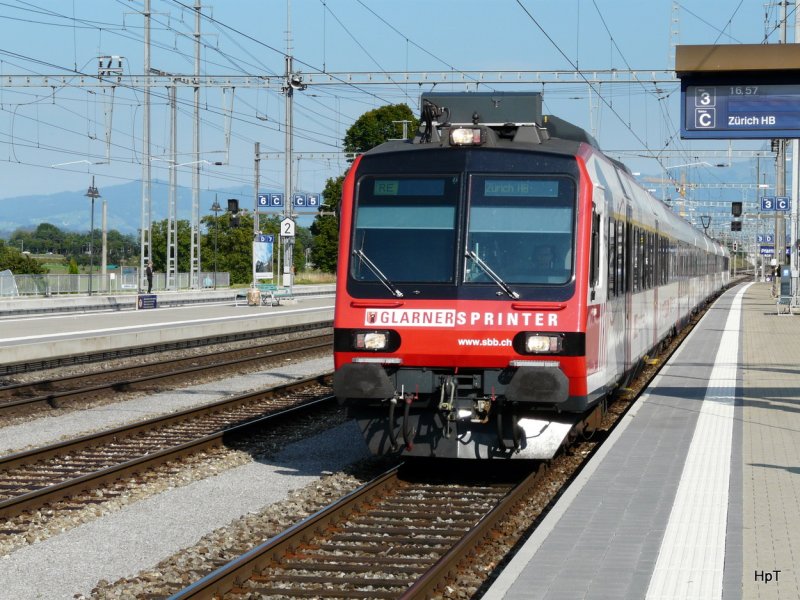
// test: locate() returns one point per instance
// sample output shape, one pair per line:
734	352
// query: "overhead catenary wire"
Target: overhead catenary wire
107	25
667	119
322	112
586	80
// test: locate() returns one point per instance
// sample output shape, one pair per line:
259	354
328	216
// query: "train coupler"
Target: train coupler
447	405
390	424
481	409
408	432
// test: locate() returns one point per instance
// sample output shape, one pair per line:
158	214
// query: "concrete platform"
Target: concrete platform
51	334
12	307
696	495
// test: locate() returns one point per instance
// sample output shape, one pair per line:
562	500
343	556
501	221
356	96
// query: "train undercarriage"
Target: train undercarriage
465	415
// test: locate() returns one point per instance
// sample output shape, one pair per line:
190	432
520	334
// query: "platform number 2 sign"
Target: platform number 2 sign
287	227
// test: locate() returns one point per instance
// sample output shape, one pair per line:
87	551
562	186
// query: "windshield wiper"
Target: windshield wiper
495	277
379	274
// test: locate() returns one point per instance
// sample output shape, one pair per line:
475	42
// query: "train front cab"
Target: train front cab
428	391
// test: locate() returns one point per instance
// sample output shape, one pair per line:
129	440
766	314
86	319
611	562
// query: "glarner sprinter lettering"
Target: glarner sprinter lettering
451	318
411	318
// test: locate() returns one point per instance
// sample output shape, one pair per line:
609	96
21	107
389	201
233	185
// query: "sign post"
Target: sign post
287	231
290	205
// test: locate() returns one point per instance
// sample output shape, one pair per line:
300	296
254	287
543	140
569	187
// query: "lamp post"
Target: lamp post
215	208
91	193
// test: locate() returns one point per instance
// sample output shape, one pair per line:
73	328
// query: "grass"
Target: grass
304	278
314	277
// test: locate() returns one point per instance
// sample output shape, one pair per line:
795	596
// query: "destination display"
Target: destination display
740	110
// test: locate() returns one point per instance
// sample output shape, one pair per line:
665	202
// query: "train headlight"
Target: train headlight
372	340
463	136
365	341
542	344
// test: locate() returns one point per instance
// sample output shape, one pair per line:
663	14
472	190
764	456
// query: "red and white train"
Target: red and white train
498	277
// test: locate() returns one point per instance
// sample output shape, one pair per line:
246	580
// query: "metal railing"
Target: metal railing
110	283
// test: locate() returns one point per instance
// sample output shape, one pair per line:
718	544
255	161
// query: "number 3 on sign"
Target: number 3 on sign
287	228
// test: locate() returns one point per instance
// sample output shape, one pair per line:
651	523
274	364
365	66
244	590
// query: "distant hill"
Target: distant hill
71	211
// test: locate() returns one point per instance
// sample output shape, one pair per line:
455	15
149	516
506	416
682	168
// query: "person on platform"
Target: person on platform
148	272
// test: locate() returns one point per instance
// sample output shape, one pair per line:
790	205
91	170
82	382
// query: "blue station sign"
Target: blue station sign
732	109
779	203
739	91
298	200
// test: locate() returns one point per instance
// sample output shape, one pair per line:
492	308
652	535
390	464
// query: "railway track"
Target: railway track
152	349
396	537
418	578
29	480
414	544
22	398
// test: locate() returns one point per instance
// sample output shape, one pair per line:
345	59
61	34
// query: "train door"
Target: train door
614	308
629	277
595	342
655	281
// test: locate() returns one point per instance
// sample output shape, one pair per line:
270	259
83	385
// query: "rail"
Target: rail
33	478
57	393
429	525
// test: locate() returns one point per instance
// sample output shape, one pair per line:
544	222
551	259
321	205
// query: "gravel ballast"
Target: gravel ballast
139	534
50	429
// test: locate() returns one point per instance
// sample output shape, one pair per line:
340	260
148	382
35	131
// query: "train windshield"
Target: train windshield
405	229
522	228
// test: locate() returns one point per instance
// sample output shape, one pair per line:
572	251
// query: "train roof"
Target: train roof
503	118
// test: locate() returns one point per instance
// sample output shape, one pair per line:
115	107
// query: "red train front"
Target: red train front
467	323
459	316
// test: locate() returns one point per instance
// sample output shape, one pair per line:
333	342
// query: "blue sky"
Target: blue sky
53	139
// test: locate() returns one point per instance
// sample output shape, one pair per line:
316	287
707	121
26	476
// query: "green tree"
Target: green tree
45	238
376	126
209	251
234	245
73	267
48	238
121	248
325	229
332	194
303	240
17	262
158	232
324	252
21	239
76	247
